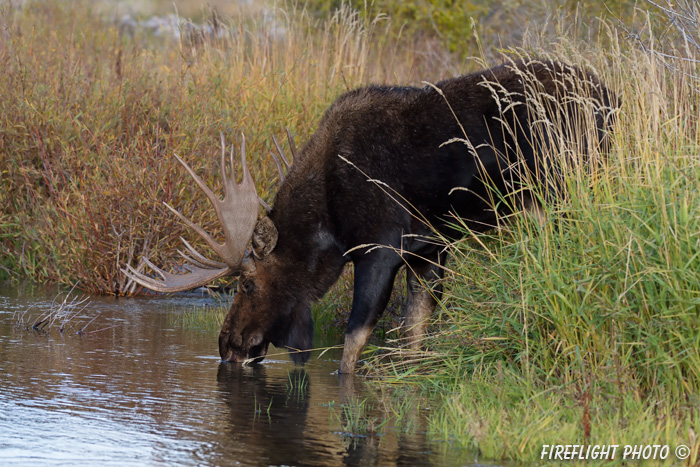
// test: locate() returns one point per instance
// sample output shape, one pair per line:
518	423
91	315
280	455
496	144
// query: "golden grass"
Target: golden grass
91	116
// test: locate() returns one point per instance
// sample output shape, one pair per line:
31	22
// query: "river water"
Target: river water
136	388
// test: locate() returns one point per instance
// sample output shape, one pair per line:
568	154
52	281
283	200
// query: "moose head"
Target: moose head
249	327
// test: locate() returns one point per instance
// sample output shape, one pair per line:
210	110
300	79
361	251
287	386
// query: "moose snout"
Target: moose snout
231	347
227	347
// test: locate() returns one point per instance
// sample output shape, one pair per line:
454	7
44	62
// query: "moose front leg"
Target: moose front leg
372	289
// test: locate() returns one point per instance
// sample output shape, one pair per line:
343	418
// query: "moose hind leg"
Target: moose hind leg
420	298
372	289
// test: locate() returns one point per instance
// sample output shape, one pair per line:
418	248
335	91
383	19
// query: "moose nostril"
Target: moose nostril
255	340
236	340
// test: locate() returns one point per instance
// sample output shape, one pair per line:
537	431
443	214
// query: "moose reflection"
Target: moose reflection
303	416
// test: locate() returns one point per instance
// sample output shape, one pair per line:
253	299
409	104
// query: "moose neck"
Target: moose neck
307	250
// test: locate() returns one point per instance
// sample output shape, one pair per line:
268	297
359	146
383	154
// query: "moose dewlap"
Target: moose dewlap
375	183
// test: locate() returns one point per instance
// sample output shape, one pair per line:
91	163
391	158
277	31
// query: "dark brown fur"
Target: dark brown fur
326	207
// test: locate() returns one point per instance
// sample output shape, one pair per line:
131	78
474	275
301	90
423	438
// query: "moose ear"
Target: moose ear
264	237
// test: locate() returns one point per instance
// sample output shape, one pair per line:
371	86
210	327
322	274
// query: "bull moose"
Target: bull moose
388	167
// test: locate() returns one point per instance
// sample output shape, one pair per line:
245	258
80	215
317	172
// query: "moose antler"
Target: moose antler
237	214
282	156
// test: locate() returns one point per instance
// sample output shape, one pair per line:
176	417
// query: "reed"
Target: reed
67	314
208	318
297	385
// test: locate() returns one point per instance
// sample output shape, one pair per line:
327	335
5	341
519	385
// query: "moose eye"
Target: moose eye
246	286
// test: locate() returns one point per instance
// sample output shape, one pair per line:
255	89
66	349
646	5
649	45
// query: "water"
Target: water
137	389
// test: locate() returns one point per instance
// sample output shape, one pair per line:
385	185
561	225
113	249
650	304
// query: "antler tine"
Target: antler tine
155	268
191	260
282	155
203	186
139	278
222	161
202	233
199	258
279	166
267	207
197	277
292	146
247	178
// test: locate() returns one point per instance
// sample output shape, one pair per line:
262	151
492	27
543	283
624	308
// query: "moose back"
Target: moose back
381	176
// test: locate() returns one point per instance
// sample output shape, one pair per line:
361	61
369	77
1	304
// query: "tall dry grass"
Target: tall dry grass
92	112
